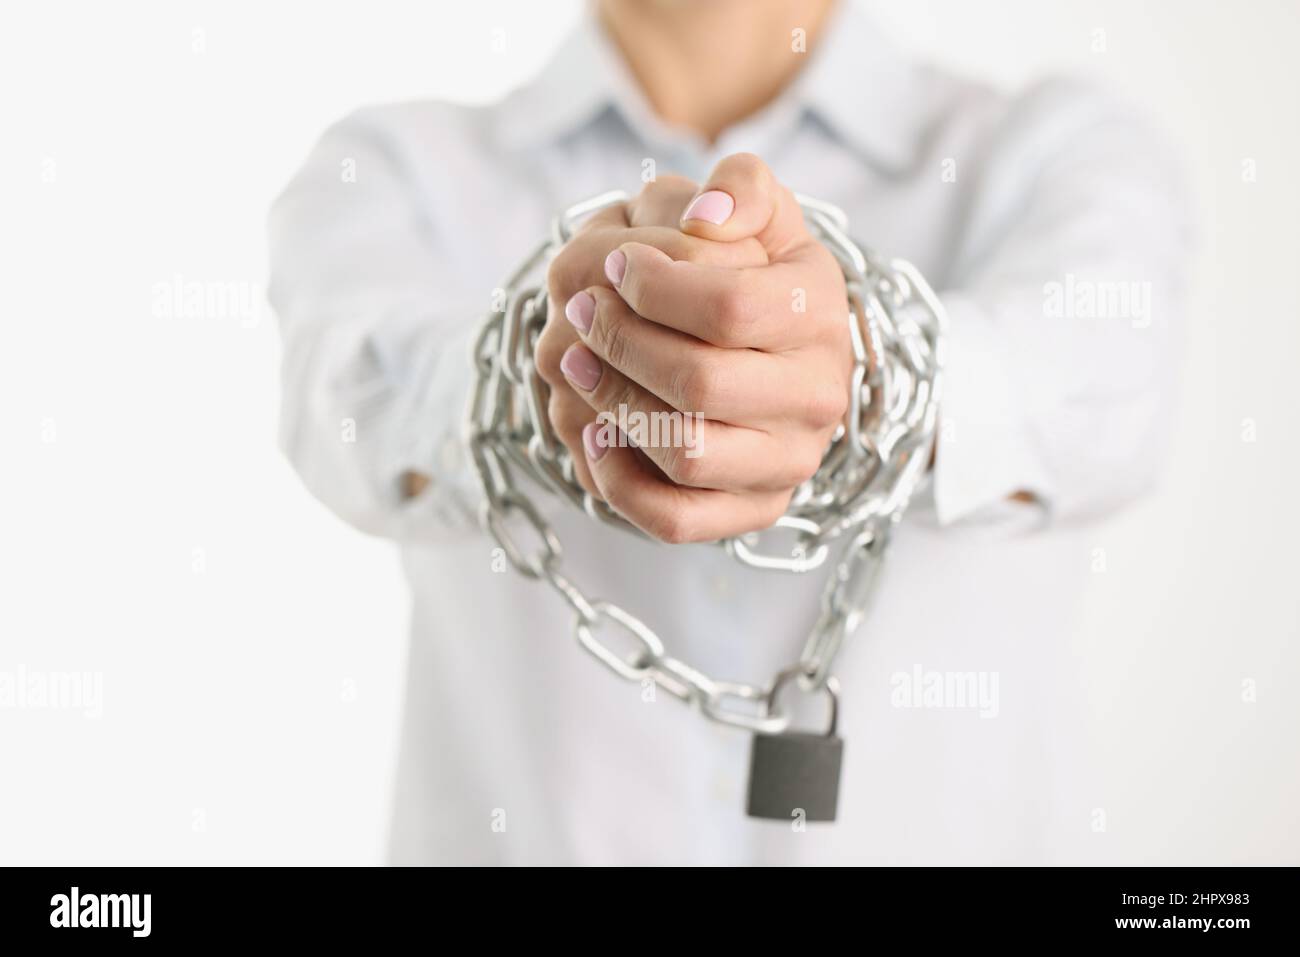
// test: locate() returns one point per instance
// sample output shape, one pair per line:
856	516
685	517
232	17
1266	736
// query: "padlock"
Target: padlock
796	772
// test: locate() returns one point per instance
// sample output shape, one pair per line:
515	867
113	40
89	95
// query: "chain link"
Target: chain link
875	462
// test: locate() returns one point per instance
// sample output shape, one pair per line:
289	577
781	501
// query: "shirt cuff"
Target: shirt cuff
985	449
428	434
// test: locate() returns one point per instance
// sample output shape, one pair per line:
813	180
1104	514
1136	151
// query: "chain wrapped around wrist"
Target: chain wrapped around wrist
875	462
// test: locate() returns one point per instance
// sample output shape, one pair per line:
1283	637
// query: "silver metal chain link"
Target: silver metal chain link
875	462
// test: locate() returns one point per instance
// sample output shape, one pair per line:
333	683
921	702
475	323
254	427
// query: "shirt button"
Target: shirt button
720	586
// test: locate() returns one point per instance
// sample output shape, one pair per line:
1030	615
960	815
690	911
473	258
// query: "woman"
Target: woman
388	247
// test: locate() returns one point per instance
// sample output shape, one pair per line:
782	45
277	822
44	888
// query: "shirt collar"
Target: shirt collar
585	78
857	83
864	88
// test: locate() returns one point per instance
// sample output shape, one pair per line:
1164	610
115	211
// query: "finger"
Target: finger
569	414
727	385
666	511
742	199
583	260
556	336
614	215
774	308
661	202
688	448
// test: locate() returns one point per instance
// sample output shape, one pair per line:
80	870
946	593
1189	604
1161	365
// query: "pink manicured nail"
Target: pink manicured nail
594	449
615	266
580	310
581	366
714	207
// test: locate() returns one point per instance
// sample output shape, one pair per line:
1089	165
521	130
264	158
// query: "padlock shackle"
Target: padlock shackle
830	685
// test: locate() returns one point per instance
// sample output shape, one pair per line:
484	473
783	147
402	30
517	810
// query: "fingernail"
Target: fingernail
714	207
594	449
615	266
581	367
580	310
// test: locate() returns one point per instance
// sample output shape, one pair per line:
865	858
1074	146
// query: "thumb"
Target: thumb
742	199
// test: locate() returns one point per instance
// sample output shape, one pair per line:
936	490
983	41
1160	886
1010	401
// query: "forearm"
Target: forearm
375	345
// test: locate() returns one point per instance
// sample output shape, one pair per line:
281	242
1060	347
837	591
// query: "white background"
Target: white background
251	645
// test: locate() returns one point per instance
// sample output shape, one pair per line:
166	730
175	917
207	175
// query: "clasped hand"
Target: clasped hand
714	305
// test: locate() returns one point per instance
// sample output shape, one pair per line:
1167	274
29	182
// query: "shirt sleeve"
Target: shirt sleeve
375	363
1064	309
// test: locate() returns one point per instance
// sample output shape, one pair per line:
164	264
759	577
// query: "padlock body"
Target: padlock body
792	771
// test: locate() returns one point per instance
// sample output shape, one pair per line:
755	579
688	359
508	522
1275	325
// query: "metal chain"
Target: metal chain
875	462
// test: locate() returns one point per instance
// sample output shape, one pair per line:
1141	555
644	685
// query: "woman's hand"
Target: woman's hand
745	335
653	217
